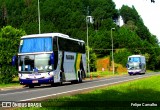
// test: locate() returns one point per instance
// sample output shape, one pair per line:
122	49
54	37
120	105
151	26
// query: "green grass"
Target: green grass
105	74
9	85
15	82
112	97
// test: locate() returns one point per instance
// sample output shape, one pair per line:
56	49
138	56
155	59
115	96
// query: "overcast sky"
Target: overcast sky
149	12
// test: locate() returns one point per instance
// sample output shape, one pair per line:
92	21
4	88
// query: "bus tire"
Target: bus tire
79	77
74	81
52	84
83	74
31	86
130	74
61	79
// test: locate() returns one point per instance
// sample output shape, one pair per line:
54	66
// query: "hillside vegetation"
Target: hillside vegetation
69	17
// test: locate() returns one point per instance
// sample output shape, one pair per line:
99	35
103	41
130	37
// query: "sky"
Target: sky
149	12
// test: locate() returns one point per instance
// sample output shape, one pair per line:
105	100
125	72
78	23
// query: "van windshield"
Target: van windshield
134	59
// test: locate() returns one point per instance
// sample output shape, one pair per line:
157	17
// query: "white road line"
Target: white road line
85	88
119	78
77	89
60	86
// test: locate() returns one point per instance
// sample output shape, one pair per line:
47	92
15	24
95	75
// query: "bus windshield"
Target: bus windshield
39	44
28	63
134	59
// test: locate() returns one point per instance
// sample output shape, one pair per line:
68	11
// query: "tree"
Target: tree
69	17
9	41
3	14
121	56
129	13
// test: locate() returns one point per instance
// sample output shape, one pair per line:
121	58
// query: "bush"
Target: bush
7	74
92	59
121	56
9	42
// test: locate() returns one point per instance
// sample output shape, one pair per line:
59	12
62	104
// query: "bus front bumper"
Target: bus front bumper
132	72
37	81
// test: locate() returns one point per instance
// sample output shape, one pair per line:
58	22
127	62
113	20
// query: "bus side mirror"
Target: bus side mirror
52	59
140	65
14	60
127	65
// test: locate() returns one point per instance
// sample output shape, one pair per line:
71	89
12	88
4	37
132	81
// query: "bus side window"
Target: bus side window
129	60
55	50
83	48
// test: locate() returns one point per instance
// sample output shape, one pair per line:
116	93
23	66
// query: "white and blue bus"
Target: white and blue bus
136	64
50	58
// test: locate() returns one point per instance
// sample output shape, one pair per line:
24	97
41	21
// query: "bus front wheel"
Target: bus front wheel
31	86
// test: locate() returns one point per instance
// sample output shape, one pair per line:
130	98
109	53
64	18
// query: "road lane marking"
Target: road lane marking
85	88
136	77
88	81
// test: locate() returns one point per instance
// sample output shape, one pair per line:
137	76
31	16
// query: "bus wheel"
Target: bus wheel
52	84
79	77
74	81
83	74
31	86
61	79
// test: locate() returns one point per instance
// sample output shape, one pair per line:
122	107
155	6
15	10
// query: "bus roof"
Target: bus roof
50	34
45	35
136	56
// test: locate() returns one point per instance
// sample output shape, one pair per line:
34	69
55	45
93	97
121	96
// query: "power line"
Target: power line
129	48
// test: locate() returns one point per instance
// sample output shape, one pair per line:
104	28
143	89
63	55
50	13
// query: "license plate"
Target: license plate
35	81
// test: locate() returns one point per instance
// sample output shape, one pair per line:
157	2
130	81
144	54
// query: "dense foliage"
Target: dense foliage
138	38
9	41
69	17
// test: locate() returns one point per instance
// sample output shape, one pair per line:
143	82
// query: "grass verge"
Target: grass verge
105	74
14	83
121	96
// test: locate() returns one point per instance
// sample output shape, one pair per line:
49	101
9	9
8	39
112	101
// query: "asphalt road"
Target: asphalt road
38	93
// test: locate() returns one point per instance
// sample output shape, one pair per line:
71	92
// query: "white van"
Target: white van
136	64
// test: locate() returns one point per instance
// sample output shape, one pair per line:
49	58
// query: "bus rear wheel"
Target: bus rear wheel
61	79
79	77
74	81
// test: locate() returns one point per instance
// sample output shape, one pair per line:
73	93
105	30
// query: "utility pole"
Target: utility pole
87	39
112	50
39	18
